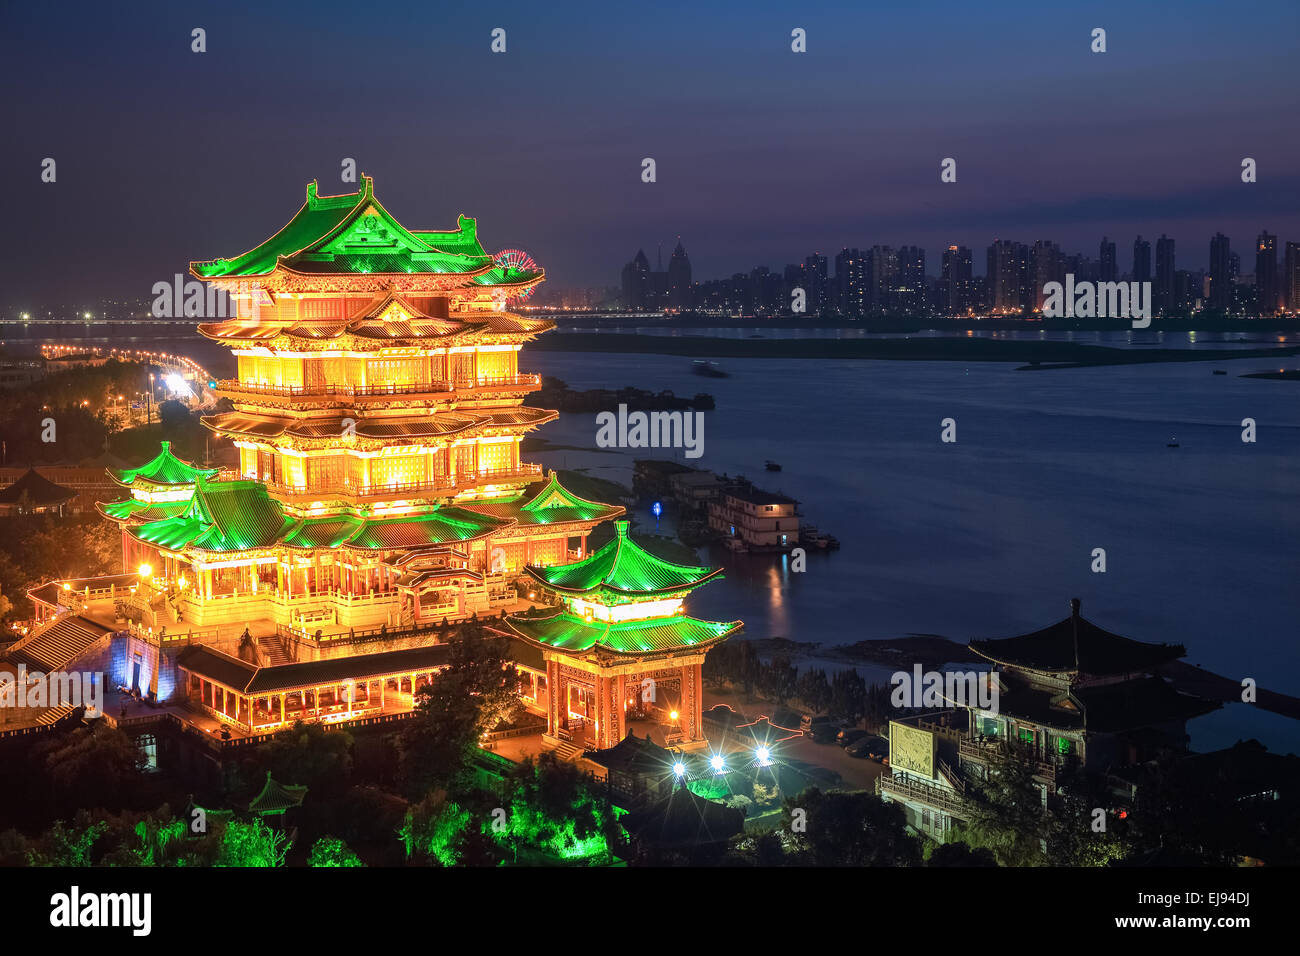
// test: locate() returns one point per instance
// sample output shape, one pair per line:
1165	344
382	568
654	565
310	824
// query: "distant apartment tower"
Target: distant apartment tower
1291	280
767	290
1046	264
637	282
910	291
817	287
1108	270
1221	277
1008	275
956	285
851	283
882	278
1165	290
1141	260
679	278
1266	284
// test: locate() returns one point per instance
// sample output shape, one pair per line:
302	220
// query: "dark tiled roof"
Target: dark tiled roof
276	797
1140	703
1106	708
638	756
216	666
1052	649
338	670
40	491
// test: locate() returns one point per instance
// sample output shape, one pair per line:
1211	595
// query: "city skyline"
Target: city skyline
883	278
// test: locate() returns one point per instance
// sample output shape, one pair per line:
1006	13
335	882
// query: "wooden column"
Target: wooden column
553	698
695	674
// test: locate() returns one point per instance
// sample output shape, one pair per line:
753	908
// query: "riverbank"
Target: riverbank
1028	354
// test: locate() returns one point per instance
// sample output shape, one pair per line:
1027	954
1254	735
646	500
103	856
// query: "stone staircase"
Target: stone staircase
272	653
57	644
567	751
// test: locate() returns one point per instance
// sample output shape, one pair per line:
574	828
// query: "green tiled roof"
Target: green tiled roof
164	469
546	502
133	509
223	516
443	526
622	568
322	532
354	234
564	631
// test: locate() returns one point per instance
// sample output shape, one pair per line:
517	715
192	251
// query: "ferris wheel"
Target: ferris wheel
518	261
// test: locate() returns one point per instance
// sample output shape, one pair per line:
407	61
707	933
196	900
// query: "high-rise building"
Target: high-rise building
1291	278
679	278
1266	284
1108	270
1221	272
910	294
817	285
882	277
1141	260
1008	276
1165	297
851	283
1046	264
956	288
636	282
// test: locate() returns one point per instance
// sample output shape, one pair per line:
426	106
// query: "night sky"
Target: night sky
764	156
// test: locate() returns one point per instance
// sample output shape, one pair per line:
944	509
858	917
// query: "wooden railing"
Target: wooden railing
234	386
908	788
996	751
444	485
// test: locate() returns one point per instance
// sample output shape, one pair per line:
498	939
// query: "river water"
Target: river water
992	535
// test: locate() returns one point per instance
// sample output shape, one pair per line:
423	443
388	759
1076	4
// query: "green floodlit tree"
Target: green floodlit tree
67	844
331	851
252	844
551	810
849	829
477	691
432	829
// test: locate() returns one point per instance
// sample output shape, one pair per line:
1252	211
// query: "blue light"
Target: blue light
656	509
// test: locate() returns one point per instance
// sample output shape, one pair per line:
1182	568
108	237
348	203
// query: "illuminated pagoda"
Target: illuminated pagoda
378	414
620	648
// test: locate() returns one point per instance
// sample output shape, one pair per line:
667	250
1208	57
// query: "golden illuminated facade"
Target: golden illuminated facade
378	411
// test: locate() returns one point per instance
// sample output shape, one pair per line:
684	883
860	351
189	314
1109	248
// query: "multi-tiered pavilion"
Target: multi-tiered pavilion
620	648
378	410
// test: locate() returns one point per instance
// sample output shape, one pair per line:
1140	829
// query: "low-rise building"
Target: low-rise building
757	520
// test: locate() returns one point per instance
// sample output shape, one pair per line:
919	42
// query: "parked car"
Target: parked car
849	735
870	747
823	730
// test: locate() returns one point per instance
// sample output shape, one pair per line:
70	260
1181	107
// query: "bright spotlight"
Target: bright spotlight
717	763
679	768
764	756
146	571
